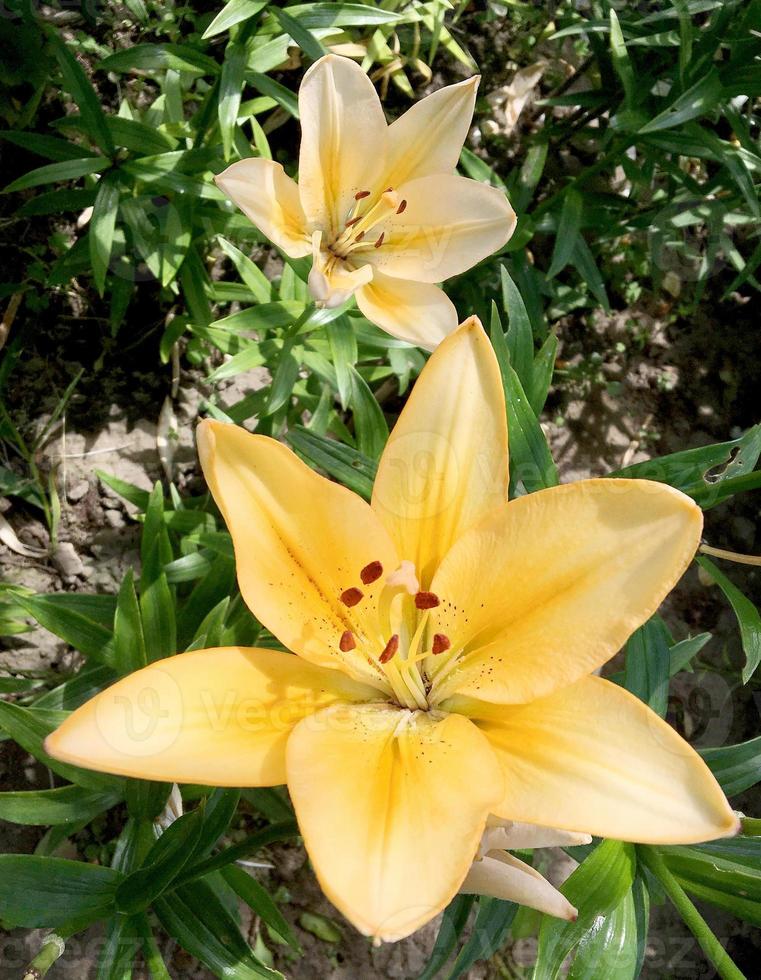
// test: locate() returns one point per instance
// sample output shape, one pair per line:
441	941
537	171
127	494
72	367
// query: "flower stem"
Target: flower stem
751	826
697	925
735	556
53	946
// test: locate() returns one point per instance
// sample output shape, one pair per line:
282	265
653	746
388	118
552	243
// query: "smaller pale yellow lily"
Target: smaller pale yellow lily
379	208
446	645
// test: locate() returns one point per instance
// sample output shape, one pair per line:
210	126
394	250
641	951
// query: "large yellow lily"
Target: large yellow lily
378	207
446	642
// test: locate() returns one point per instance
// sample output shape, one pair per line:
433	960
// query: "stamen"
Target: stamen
360	236
347	642
351	597
380	240
401	207
441	643
388	190
426	600
361	194
353	221
371	573
390	649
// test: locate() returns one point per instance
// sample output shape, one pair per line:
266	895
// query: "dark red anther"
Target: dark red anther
351	597
388	190
371	573
359	236
390	649
361	194
347	641
380	240
401	207
353	221
441	643
426	600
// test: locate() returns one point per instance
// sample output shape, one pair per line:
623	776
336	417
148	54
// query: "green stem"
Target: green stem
52	949
751	826
695	922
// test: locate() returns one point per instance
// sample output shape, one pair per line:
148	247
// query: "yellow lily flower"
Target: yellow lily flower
445	645
378	207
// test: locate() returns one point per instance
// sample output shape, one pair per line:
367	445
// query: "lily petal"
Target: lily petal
444	467
416	312
594	756
503	876
300	542
552	586
343	140
428	137
220	717
270	200
448	224
511	835
391	805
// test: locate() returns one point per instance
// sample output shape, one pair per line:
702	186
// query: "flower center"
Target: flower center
401	644
356	234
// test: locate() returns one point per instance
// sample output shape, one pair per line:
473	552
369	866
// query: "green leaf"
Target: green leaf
249	272
231	14
584	263
230	87
698	100
700	472
282	95
162	865
683	652
609	947
77	83
318	15
647	665
62	617
490	931
620	58
38	892
51	172
542	372
596	888
343	351
129	642
453	922
300	34
520	336
102	226
48	807
257	898
350	467
160	57
45	146
748	616
569	227
119	951
531	464
737	767
31	726
55	202
370	427
196	918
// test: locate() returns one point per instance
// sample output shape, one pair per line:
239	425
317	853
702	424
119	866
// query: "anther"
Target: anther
390	649
401	207
388	190
426	600
353	221
359	236
380	240
441	643
371	573
351	597
361	194
348	642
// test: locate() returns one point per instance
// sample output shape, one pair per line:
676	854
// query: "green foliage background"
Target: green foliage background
153	99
